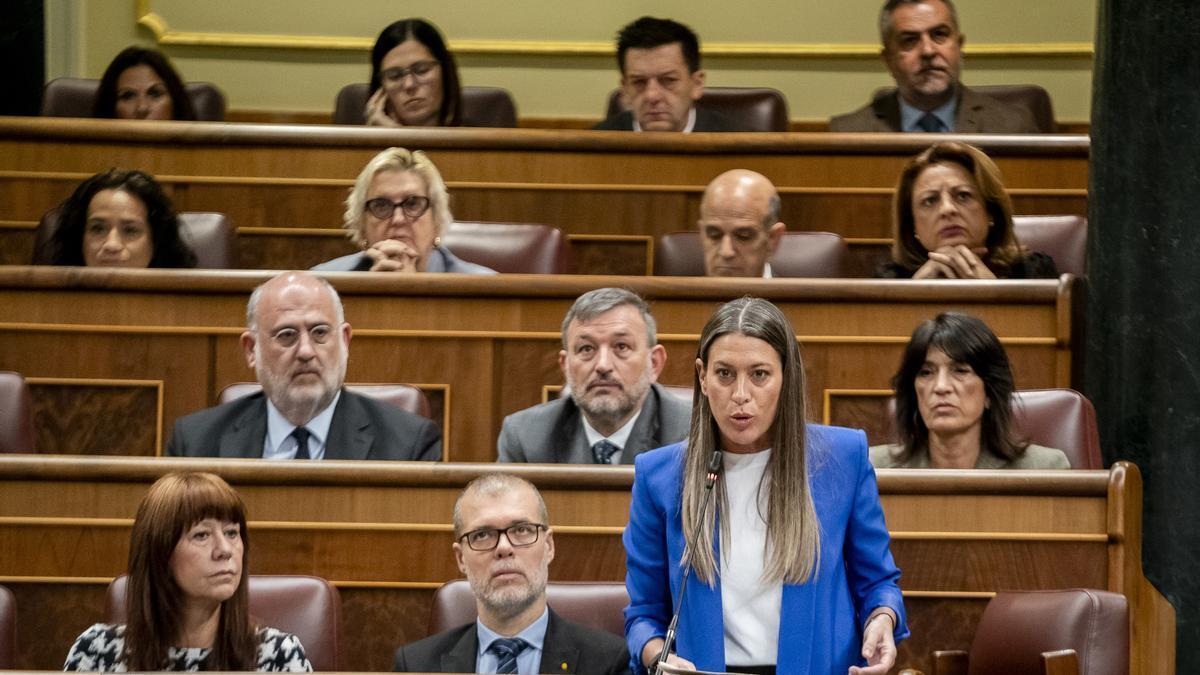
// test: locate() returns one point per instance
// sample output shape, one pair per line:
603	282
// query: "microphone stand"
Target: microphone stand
714	471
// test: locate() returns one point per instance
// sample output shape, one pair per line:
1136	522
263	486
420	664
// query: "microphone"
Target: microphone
714	471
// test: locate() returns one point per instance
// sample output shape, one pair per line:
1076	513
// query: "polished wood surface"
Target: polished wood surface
100	340
381	533
283	186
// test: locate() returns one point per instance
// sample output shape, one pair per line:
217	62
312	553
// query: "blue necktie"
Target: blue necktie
930	122
506	651
602	451
301	435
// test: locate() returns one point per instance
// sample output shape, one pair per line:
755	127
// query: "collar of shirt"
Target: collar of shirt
619	438
279	443
910	115
687	128
767	274
528	661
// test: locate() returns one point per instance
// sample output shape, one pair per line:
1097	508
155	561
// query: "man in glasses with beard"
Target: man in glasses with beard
503	543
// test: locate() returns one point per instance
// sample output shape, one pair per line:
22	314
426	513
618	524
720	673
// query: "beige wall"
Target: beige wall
556	56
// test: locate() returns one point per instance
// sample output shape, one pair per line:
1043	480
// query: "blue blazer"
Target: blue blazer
820	630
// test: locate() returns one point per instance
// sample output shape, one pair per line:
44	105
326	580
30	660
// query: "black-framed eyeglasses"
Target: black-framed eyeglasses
421	70
488	538
413	206
290	337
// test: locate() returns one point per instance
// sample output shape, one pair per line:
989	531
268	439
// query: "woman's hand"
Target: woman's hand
390	255
654	647
959	262
376	111
879	647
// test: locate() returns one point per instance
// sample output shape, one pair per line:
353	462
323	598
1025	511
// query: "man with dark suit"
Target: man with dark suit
661	80
922	47
612	409
503	543
740	226
297	340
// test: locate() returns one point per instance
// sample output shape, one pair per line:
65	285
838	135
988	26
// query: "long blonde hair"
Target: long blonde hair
792	525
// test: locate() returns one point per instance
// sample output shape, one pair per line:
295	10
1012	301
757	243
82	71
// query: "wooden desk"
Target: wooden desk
114	356
381	533
283	186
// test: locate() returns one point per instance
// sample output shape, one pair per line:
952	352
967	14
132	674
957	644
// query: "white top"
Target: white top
279	442
619	438
750	607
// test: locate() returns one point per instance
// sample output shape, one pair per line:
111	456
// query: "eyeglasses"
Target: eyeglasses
413	206
290	337
488	538
421	71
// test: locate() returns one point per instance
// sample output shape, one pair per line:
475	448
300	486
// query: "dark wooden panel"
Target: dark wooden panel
935	624
16	246
861	411
77	418
982	565
50	617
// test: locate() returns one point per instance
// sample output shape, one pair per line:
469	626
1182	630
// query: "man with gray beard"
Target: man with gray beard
503	543
298	343
612	408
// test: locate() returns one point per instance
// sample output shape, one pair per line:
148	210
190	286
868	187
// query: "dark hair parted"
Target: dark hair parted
965	339
170	250
793	531
106	96
175	503
1003	249
450	114
649	32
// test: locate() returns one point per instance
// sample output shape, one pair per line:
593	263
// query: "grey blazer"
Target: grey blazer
568	648
553	432
1035	457
361	428
440	260
977	114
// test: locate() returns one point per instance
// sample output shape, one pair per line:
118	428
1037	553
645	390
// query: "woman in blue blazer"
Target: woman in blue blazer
826	600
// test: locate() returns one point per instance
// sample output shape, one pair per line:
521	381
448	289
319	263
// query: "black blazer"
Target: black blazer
706	120
568	648
361	428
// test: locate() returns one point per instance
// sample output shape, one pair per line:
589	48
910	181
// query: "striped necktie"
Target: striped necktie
602	450
506	651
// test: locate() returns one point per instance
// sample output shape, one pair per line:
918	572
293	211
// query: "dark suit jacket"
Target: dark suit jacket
569	648
553	432
362	428
706	120
977	114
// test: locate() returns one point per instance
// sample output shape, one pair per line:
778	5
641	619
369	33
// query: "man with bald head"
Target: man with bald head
298	343
739	224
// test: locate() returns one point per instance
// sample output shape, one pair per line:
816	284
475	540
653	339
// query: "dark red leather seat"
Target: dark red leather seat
16	414
1055	418
308	607
209	234
8	630
800	254
1063	238
1064	631
753	108
403	396
482	106
595	604
76	96
513	248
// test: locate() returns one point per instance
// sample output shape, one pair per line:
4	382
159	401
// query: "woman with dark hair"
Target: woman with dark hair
954	403
952	219
791	557
414	79
119	219
187	593
140	84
